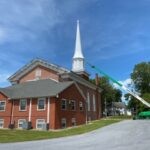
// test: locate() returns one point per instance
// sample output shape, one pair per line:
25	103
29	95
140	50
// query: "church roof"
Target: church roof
76	78
32	64
39	88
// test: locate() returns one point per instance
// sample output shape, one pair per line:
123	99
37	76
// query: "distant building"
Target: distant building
47	96
117	108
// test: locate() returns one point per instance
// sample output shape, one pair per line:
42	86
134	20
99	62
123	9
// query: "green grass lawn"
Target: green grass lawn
119	117
7	135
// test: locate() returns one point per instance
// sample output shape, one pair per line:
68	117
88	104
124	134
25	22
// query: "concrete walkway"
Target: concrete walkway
125	135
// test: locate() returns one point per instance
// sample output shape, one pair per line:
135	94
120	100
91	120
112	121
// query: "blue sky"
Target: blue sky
115	34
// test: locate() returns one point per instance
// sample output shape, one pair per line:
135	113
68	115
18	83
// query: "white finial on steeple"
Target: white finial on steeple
78	59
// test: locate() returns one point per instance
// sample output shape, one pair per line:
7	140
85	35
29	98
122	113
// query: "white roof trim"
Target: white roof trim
25	69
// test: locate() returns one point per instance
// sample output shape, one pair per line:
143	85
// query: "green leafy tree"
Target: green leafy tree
132	103
109	93
118	95
141	77
146	96
141	80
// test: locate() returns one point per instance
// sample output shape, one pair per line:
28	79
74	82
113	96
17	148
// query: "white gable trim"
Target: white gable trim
34	63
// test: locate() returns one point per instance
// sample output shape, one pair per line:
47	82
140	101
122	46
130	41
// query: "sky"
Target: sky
115	34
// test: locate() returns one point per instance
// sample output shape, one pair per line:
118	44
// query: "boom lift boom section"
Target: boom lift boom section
120	85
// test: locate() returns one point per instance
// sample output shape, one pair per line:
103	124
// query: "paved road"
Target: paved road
126	135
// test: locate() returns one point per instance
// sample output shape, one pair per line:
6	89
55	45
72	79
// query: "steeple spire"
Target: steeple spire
78	59
78	47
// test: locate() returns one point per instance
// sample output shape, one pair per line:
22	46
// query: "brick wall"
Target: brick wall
70	93
35	113
45	74
7	113
91	114
56	113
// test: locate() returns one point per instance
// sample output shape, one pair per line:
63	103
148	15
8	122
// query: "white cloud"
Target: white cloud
126	83
3	79
25	19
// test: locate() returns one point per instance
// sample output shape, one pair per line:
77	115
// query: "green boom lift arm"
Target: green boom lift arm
120	85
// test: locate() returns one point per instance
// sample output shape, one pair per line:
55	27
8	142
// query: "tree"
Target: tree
118	95
141	77
141	80
132	103
109	93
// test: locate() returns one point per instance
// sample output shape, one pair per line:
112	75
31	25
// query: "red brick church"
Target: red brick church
47	96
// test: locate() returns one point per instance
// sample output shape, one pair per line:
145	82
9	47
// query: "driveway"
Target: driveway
125	135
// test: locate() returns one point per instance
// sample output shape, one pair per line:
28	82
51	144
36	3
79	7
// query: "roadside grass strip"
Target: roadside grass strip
118	117
8	136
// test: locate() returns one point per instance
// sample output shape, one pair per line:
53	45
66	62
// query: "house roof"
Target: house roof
39	88
32	64
119	104
60	70
76	78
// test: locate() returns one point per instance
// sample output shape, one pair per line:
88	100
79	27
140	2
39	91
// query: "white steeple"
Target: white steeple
78	59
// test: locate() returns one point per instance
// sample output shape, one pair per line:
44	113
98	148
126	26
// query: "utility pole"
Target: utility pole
105	108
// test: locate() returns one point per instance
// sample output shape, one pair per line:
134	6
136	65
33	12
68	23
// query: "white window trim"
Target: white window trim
65	121
79	105
2	123
88	101
65	104
20	103
44	104
38	73
19	122
73	120
74	105
94	103
4	105
37	123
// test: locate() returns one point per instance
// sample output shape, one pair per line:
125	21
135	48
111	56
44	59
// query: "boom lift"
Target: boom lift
120	85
